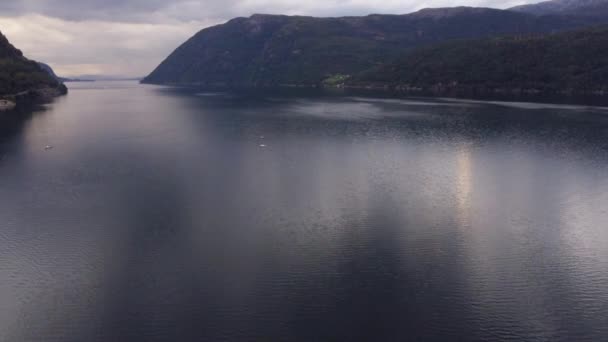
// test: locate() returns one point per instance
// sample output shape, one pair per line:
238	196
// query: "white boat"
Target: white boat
6	105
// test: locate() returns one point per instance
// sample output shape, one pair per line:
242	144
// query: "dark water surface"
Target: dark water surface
172	215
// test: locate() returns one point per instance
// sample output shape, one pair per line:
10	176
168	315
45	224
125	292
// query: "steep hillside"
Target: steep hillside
51	72
280	50
21	75
573	62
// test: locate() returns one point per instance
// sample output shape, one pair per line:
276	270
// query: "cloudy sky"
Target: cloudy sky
131	37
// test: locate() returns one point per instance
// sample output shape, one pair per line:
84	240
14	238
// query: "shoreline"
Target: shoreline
442	89
31	97
532	95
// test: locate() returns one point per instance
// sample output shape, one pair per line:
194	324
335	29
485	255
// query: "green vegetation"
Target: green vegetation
266	50
18	74
336	80
565	62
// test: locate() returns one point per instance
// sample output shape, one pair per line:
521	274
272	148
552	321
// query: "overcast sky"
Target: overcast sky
131	37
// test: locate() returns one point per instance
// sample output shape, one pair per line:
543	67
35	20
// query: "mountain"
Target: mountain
569	62
23	79
265	50
51	72
590	8
47	68
96	78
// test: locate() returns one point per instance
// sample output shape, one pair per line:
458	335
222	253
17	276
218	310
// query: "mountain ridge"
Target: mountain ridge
23	80
593	8
267	50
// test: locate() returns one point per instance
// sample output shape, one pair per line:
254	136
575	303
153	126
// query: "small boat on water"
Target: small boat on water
6	105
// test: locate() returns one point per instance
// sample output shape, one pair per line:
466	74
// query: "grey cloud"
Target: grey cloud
119	10
180	10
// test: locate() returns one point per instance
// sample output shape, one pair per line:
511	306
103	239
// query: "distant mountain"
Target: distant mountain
593	8
265	50
570	62
21	78
95	78
51	72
